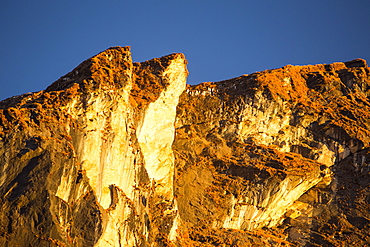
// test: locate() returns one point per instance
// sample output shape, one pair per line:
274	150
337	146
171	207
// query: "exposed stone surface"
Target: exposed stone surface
76	163
269	151
117	153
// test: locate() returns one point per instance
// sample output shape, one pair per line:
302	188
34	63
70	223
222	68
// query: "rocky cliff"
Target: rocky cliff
117	153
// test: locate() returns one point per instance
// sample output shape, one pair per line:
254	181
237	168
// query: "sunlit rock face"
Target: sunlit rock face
259	153
88	161
117	153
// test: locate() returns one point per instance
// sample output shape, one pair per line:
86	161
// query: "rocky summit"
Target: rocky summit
117	153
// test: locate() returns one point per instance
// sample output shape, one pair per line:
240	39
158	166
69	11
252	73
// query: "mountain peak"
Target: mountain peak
126	154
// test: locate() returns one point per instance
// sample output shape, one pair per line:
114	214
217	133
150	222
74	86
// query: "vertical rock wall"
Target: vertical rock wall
117	153
88	162
265	140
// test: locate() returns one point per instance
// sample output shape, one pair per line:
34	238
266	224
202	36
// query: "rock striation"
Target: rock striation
117	153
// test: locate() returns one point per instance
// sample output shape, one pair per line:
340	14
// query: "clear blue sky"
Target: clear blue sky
43	40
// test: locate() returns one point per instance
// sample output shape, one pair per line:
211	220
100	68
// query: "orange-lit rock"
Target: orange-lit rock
251	151
117	153
79	163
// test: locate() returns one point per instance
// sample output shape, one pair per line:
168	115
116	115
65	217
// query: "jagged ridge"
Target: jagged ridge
121	153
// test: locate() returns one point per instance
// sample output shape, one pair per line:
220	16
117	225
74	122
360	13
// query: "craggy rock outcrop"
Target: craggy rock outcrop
117	153
88	161
280	150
